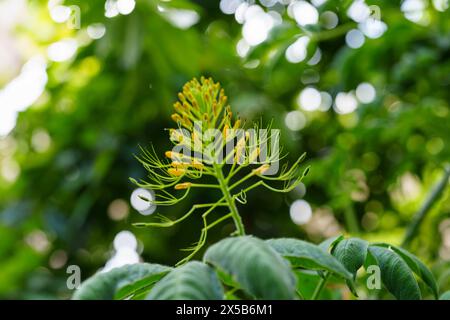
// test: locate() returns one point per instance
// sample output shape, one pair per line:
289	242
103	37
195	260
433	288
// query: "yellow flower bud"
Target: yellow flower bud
176	172
182	186
261	169
237	124
224	133
228	112
239	149
196	138
181	98
168	154
216	108
197	164
178	107
175	135
175	156
176	117
254	155
206	97
186	122
178	164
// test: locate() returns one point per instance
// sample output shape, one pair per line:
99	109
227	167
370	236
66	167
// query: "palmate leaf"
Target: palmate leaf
354	253
255	266
192	281
328	244
351	253
309	256
120	282
417	266
396	274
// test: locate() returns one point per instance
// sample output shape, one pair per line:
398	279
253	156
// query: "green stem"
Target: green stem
334	33
350	219
218	221
432	198
248	176
230	201
320	286
299	294
202	185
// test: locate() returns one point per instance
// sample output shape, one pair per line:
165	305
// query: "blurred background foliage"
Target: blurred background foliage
362	87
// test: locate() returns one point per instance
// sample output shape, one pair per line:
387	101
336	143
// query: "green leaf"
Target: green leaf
395	274
417	266
309	256
329	244
252	263
120	282
351	253
445	296
192	281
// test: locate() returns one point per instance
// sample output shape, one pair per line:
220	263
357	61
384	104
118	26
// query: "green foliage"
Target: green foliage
308	256
192	281
121	282
396	265
352	253
396	275
258	270
247	267
417	267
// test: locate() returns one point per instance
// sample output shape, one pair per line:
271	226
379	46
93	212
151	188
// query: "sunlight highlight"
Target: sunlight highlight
22	92
142	206
300	212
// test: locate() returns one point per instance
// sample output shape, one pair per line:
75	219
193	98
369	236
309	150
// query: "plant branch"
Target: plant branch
230	200
320	286
170	223
432	198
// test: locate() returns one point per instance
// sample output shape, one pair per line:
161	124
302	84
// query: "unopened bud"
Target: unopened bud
239	149
175	135
261	169
197	164
173	155
176	117
215	108
225	131
186	122
176	172
181	97
178	164
254	155
178	107
182	186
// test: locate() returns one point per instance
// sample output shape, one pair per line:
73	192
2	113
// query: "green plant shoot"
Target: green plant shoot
210	141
